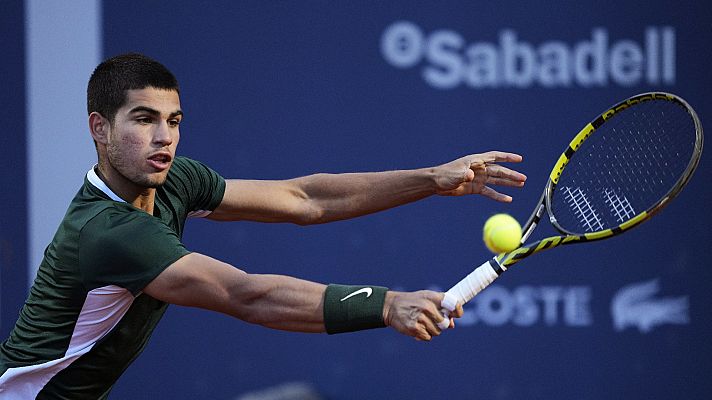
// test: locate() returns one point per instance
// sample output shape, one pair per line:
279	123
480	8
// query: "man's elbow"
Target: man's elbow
309	213
247	301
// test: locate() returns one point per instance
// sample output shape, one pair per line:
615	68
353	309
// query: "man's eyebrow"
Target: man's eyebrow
153	112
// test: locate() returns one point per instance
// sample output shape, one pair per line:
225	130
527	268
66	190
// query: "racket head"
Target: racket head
624	166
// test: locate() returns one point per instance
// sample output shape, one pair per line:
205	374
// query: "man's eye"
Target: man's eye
145	120
174	122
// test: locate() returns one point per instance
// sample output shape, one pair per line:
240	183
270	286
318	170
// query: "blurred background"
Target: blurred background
278	89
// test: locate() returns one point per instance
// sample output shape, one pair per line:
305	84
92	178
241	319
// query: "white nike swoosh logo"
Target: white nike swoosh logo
366	290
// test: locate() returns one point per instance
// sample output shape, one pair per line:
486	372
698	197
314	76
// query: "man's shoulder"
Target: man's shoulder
185	167
113	215
103	218
87	204
120	229
195	184
183	162
89	219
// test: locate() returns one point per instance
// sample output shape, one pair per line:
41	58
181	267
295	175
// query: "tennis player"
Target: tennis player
117	259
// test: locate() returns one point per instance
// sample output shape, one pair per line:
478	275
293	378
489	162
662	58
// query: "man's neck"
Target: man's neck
138	196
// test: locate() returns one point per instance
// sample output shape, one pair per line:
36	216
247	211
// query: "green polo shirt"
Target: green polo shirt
85	319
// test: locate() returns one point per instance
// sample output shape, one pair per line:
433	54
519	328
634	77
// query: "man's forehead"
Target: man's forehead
162	100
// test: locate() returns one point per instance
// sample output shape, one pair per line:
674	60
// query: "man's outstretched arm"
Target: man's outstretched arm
324	198
283	302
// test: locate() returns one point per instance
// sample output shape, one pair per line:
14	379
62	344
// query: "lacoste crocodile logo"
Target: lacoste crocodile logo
635	305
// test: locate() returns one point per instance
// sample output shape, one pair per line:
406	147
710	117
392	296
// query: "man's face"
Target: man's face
144	136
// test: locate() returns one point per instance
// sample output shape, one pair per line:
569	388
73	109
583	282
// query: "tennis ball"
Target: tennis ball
502	233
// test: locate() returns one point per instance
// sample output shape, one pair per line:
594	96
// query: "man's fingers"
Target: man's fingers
426	326
424	337
504	182
495	195
498	171
431	327
431	315
497	156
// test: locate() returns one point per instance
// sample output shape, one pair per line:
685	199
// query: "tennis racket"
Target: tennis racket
617	172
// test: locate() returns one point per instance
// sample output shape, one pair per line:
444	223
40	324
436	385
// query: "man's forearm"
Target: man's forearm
279	302
335	197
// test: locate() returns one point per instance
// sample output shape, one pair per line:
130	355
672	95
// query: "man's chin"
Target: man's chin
154	182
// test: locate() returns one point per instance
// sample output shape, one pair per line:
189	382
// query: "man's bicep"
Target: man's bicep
196	280
262	201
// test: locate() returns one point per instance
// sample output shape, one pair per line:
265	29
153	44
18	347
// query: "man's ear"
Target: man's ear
99	127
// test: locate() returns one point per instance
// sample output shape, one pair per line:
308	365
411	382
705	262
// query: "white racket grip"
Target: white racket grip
473	283
468	288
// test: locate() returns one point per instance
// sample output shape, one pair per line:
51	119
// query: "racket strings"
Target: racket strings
619	206
582	209
627	166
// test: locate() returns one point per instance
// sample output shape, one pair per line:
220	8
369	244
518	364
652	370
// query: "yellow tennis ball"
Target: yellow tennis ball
502	233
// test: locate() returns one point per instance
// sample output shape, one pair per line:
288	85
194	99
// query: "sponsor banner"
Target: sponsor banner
447	60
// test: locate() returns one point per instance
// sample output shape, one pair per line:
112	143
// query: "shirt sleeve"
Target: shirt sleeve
203	187
127	248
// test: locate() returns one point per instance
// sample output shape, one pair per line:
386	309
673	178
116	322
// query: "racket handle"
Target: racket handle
468	288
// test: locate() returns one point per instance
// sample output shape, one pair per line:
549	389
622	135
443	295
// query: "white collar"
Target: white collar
99	184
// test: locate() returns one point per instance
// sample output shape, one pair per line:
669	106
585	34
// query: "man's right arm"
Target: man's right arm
322	198
281	302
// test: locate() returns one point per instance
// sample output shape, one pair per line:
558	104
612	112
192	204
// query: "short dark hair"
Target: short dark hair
111	79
